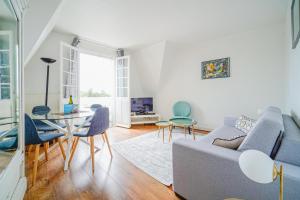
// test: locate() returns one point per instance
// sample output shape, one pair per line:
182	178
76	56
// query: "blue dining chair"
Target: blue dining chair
40	125
32	137
93	107
10	142
99	125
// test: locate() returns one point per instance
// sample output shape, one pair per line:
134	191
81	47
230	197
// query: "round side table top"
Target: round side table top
183	122
163	123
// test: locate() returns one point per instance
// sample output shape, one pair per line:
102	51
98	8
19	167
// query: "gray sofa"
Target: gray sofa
205	171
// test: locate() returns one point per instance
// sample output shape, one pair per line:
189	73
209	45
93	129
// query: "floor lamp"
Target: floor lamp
260	168
48	61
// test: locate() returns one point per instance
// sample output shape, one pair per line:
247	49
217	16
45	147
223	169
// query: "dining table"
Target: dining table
68	119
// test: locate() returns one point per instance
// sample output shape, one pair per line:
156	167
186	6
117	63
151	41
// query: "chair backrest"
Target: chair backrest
99	122
31	134
40	110
94	107
182	109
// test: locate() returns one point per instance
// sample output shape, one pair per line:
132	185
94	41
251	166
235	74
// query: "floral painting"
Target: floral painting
219	68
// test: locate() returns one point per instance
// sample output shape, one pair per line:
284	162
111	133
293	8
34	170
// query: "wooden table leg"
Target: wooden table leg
158	131
163	133
68	152
193	132
170	133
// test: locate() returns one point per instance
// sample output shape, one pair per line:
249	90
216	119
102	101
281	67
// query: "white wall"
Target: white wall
35	73
293	69
257	76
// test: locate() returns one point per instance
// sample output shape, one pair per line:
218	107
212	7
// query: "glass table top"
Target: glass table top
63	116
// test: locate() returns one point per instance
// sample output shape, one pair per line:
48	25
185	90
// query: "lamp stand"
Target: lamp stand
279	173
48	61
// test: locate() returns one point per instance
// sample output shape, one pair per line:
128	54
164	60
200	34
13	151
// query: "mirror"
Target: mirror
9	87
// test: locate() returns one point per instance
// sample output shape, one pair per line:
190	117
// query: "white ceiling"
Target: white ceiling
132	23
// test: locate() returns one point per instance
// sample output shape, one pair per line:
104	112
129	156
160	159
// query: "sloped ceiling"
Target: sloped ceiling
133	23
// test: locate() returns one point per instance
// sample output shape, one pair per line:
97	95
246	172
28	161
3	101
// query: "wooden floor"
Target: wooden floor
114	178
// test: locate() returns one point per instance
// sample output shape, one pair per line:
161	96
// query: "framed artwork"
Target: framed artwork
295	10
219	68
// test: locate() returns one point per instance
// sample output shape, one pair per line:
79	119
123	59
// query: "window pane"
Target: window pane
66	65
5	92
122	72
74	55
4	42
4	71
4	79
4	58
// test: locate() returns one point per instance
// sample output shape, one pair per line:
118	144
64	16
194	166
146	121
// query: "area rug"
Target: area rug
150	154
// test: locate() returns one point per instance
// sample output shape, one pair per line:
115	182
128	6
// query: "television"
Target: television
142	105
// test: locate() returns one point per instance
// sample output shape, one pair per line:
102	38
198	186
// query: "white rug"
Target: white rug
150	154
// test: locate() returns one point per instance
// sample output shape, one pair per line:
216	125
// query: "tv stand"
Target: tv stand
145	119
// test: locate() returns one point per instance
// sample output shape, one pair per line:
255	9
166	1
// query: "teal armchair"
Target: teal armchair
181	110
181	113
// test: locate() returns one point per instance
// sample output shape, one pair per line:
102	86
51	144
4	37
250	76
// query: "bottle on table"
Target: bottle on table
70	100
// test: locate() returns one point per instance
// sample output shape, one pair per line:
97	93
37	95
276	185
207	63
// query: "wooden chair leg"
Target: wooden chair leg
106	138
61	148
36	160
184	131
92	149
46	147
73	150
158	131
30	148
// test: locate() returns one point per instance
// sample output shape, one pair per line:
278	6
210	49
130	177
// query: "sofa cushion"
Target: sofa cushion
221	132
289	150
264	134
229	143
244	123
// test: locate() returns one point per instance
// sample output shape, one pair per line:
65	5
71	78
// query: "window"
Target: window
70	71
5	53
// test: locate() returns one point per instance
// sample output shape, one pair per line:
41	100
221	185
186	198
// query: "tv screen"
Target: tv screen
142	105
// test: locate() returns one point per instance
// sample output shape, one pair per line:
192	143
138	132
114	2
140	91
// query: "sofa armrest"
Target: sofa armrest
201	169
230	121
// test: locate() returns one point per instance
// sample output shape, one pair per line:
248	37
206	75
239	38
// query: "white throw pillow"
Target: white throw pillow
244	123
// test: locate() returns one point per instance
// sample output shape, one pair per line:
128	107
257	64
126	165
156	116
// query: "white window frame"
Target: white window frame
10	53
76	97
